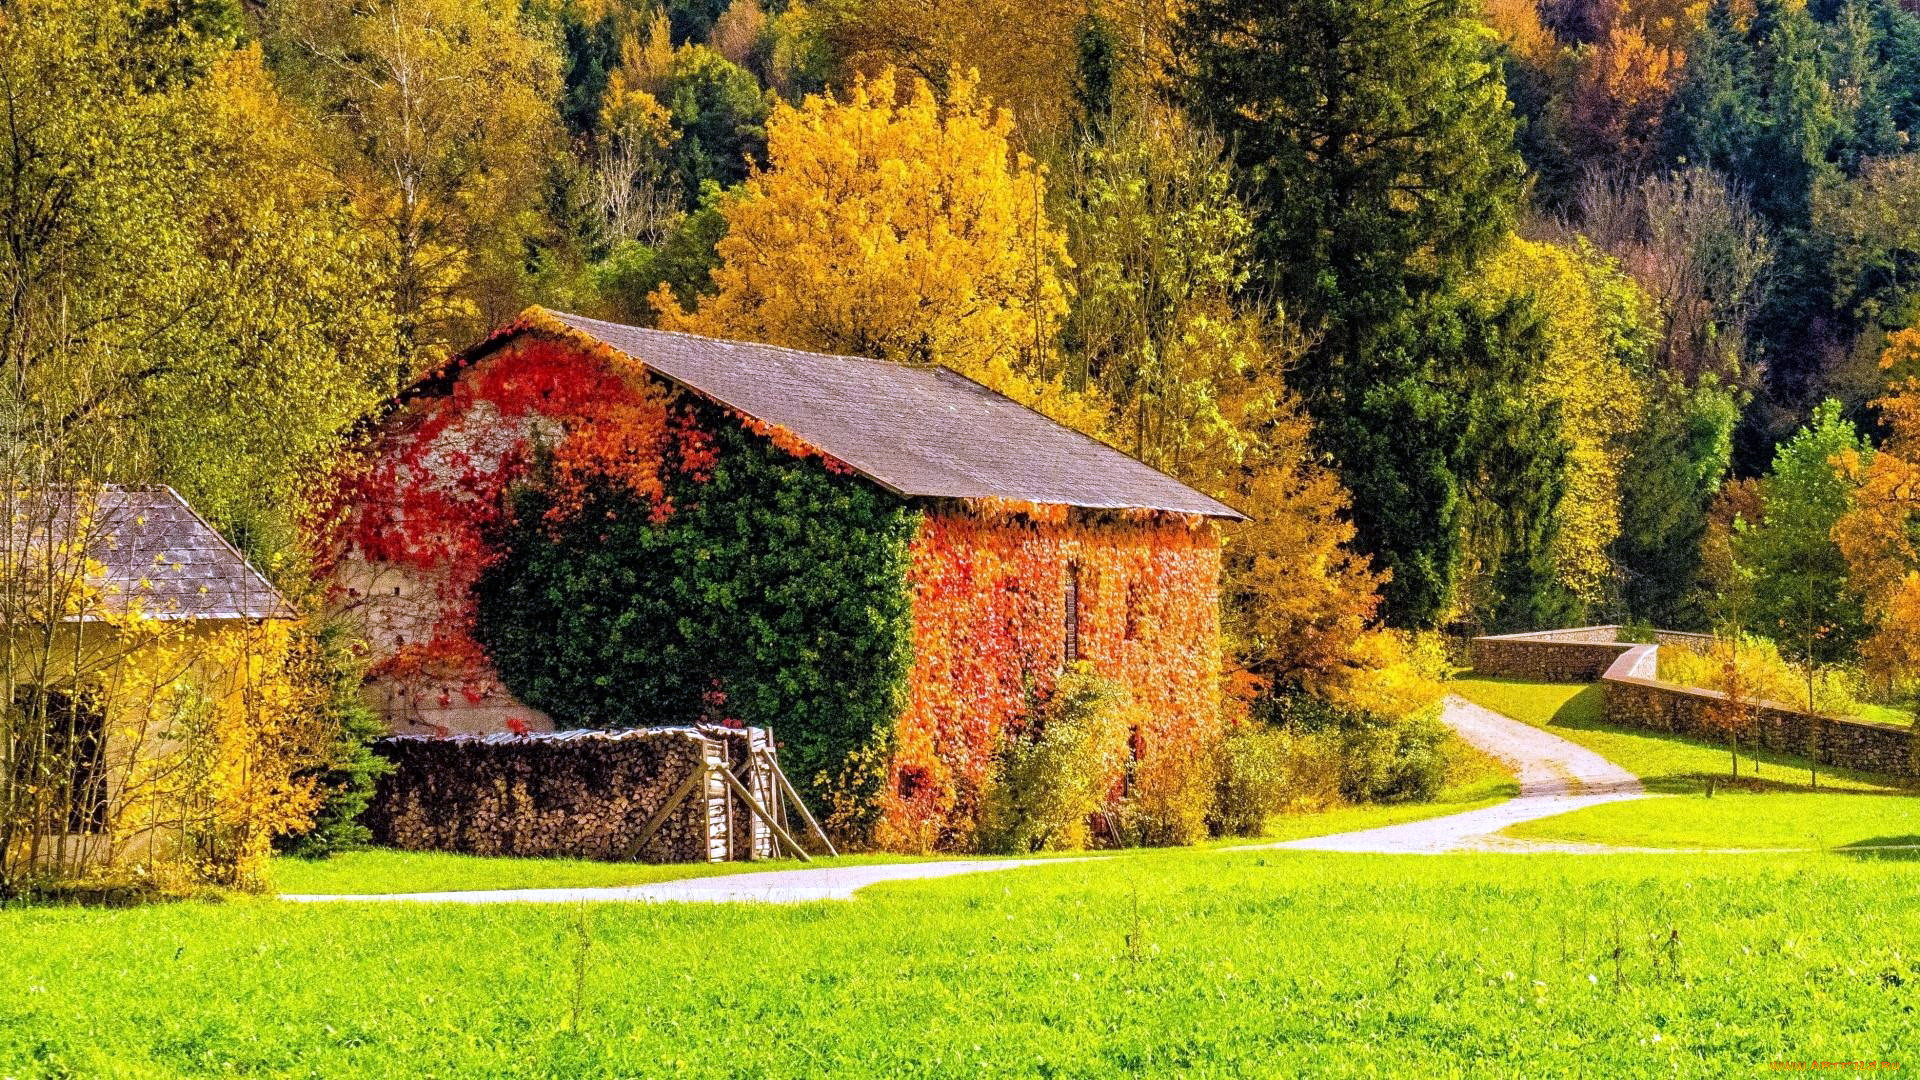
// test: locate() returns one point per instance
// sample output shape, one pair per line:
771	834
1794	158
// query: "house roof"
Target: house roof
917	431
158	551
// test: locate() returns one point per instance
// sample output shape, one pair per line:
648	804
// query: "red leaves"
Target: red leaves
989	611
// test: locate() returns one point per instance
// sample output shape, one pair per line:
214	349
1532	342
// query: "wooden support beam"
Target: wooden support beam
659	818
754	805
786	787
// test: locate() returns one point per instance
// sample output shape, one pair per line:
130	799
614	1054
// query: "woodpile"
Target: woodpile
581	794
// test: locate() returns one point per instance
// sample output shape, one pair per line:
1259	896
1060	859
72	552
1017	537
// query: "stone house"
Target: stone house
579	523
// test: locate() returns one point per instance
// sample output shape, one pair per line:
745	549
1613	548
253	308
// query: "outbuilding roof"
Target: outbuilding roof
156	551
917	431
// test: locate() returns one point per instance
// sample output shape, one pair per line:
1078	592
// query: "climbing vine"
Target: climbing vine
990	635
773	595
616	552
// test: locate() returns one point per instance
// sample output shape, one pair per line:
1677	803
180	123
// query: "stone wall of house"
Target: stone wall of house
1579	654
580	794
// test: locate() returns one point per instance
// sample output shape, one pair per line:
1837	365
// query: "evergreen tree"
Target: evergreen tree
1677	465
1375	142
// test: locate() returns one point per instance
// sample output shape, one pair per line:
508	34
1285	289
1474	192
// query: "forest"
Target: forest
1490	317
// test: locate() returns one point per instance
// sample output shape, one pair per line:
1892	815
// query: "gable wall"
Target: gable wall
989	627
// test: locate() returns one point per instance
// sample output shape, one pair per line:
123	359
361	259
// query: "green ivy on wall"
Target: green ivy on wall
775	594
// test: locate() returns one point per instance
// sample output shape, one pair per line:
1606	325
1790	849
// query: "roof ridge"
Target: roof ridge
736	343
272	590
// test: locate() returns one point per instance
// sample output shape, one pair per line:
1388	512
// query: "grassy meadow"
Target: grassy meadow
1192	962
1196	963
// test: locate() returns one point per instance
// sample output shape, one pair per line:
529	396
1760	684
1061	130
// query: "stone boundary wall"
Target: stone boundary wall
1635	696
1578	654
577	794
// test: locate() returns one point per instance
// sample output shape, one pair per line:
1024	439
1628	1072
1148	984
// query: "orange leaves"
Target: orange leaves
615	445
990	635
793	444
1877	535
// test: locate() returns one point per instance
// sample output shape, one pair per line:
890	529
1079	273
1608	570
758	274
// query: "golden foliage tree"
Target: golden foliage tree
1878	536
1598	339
898	226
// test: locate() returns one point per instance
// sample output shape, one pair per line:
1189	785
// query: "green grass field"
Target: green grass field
1773	806
1666	763
1191	963
1739	819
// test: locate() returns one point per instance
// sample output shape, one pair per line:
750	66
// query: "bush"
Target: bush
1764	675
345	781
1378	757
1053	777
1387	760
1171	798
1265	771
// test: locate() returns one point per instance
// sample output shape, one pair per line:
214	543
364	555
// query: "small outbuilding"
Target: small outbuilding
886	566
145	660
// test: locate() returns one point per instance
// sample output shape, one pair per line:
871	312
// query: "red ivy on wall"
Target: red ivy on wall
434	484
990	595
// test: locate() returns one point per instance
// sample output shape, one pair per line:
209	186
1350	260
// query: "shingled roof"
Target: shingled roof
917	431
158	551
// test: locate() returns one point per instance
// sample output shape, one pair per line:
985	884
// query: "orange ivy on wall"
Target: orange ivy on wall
990	634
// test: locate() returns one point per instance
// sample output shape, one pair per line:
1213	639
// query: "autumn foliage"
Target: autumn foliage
895	225
1877	536
992	630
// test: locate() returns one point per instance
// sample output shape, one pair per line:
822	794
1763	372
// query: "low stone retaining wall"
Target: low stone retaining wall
580	794
1579	654
1636	697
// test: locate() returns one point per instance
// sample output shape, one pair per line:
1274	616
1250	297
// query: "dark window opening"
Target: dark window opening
913	780
61	746
1134	601
1134	746
1072	627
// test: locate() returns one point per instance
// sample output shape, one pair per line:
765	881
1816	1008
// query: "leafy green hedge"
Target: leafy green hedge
776	583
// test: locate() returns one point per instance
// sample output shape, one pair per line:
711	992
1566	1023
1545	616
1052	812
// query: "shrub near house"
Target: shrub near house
889	566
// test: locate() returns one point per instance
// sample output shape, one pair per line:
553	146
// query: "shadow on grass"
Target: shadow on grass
1695	783
1586	710
1887	848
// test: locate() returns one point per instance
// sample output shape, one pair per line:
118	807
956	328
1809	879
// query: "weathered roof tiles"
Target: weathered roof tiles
921	432
157	553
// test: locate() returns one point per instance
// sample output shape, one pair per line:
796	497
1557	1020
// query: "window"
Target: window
63	747
1134	601
1072	627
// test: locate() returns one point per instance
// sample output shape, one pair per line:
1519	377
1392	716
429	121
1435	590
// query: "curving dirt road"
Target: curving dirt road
1555	776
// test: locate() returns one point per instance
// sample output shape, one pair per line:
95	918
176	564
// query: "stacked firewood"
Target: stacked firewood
581	794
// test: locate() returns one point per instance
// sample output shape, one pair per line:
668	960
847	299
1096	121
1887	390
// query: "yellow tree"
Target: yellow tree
897	226
1598	333
1878	535
442	111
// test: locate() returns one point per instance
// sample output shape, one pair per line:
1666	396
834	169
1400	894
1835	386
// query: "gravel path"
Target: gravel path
1555	776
